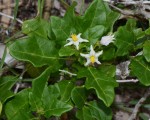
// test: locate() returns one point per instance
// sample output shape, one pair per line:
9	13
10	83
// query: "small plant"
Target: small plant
77	57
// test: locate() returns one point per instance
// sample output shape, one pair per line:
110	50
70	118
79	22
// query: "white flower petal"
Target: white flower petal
76	44
70	43
79	35
83	40
92	52
70	39
99	53
85	55
87	63
98	62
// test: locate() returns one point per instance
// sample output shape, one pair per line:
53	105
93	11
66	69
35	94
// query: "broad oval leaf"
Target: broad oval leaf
36	27
35	50
6	84
147	31
61	30
18	108
146	50
124	41
52	106
46	101
67	51
141	69
79	94
65	87
101	82
39	83
98	13
94	111
94	33
108	53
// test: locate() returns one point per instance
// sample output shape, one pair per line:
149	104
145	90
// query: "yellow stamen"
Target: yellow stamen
74	37
92	59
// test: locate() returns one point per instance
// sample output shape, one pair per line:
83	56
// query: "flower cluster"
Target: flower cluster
92	57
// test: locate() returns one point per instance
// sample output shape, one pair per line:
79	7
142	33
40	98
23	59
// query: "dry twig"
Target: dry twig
11	17
19	83
141	10
139	104
125	81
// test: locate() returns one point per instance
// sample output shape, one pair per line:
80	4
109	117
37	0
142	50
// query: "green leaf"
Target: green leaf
36	27
144	116
18	108
147	31
124	41
0	107
65	87
61	30
101	82
109	70
84	114
94	33
39	83
139	33
71	20
70	15
44	100
37	51
131	24
141	69
49	105
67	51
111	19
146	50
94	111
53	106
6	83
79	94
108	53
98	13
38	86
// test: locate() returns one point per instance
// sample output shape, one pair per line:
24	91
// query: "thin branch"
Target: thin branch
67	72
130	2
139	104
125	81
129	13
19	83
11	17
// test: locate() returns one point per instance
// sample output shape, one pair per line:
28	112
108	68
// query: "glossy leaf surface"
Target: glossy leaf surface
18	108
79	95
37	51
101	82
94	111
6	83
146	50
141	69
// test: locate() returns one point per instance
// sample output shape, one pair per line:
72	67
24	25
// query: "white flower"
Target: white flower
92	57
76	39
106	40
